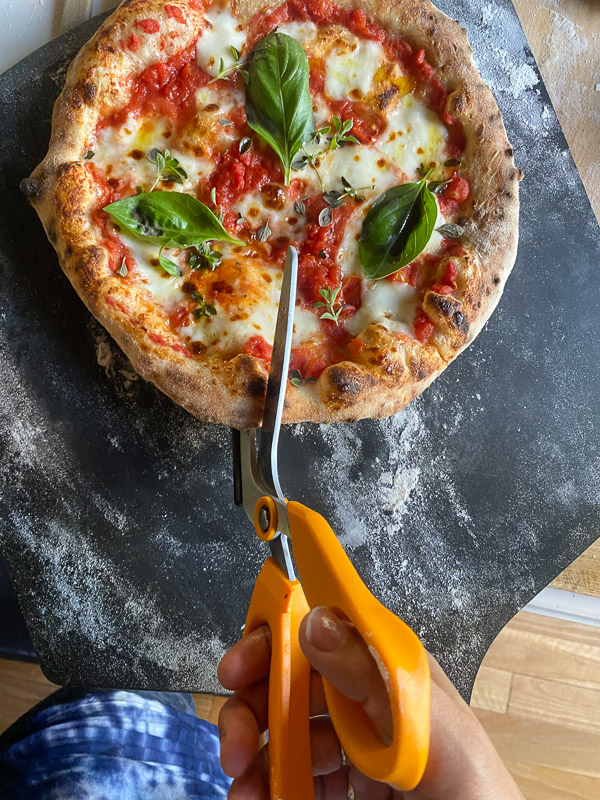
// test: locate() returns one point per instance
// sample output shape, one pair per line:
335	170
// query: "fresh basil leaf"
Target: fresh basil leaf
278	102
451	230
164	217
437	186
168	265
396	229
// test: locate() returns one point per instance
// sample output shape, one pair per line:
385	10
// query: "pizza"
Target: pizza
195	141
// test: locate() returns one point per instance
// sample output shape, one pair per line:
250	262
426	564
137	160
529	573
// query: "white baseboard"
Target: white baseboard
566	605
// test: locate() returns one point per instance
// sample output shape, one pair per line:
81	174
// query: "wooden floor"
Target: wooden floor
537	694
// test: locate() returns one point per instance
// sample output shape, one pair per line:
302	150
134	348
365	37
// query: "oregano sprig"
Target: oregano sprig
203	257
203	309
330	296
296	378
167	167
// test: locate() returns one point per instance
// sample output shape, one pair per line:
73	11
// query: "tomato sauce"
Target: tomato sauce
257	346
238	173
111	190
453	195
367	126
311	359
167	88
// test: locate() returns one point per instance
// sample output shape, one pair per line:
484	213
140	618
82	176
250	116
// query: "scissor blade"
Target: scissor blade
278	375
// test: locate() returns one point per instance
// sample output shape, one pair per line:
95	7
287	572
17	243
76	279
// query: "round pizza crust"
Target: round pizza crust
391	370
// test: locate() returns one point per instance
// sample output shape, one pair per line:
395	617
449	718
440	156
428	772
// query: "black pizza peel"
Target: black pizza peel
117	525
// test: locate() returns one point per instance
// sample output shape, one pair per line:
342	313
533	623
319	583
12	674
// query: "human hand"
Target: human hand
462	763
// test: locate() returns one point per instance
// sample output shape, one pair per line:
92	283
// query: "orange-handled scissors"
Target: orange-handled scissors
328	579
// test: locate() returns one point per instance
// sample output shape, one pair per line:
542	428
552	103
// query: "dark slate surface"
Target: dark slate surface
132	565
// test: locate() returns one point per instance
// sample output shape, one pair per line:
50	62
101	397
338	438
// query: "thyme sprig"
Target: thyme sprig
335	198
224	72
334	141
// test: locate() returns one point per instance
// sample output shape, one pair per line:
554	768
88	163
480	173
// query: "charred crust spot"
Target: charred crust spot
256	386
89	92
386	96
348	383
30	187
496	280
507	193
447	308
251	381
460	322
421	374
52	234
509	152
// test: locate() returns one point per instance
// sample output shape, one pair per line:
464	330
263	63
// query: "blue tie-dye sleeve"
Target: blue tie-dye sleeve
111	746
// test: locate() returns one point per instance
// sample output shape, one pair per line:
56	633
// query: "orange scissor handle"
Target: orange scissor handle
281	604
329	579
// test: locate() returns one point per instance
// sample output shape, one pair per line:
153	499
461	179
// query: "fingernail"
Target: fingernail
323	630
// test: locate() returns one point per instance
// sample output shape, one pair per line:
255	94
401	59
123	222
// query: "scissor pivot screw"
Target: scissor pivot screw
264	518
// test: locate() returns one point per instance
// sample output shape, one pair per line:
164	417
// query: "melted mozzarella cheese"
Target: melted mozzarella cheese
162	287
282	222
302	32
216	41
124	152
351	66
414	135
221	100
364	167
306	326
245	293
388	303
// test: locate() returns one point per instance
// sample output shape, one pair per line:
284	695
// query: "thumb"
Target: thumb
336	650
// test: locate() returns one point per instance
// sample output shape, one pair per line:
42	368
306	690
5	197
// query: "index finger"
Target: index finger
247	661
